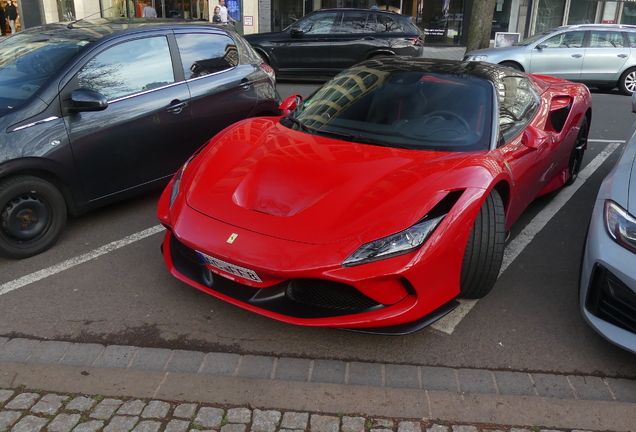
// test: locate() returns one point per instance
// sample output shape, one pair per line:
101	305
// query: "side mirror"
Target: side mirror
290	103
87	100
534	138
541	46
295	31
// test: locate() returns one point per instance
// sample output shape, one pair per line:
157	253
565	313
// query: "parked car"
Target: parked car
608	275
327	41
94	111
378	201
601	55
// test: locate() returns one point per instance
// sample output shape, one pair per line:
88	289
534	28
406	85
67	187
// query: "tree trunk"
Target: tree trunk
480	24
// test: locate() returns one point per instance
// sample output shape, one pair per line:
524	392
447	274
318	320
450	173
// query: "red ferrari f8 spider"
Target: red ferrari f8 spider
379	200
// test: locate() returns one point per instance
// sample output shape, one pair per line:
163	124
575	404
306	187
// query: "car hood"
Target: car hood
264	177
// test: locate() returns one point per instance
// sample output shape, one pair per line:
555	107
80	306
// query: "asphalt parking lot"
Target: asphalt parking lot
105	282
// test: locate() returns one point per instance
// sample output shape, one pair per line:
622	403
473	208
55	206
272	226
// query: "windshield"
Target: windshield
413	110
28	61
532	39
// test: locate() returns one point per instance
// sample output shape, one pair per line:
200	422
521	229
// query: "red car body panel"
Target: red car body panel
298	205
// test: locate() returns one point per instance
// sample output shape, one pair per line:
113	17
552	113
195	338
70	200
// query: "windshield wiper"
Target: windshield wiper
362	139
302	126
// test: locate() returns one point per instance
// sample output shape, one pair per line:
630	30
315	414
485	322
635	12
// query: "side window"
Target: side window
388	24
128	68
356	22
518	103
573	39
204	53
606	39
632	39
319	23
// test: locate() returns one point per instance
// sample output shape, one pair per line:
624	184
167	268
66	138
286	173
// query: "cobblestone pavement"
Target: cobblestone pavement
23	410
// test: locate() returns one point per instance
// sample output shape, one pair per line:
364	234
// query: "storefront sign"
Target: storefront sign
248	20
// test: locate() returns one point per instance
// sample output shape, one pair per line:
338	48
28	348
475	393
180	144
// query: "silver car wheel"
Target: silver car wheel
627	82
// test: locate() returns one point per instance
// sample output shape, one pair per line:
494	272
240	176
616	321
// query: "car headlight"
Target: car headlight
397	244
620	225
476	58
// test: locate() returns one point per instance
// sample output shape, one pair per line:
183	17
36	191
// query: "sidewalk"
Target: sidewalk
62	386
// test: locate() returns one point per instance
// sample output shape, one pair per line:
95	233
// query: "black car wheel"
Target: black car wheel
484	251
627	82
576	157
32	216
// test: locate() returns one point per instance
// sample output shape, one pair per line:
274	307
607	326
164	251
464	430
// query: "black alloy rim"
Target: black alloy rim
578	152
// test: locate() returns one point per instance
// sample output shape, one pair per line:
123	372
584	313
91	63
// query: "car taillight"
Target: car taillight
417	41
269	71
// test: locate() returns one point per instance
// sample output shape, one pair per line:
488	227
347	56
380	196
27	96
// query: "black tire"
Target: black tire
484	251
32	216
512	65
627	82
606	88
576	157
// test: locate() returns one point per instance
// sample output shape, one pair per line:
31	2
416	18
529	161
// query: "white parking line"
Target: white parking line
606	141
516	246
57	268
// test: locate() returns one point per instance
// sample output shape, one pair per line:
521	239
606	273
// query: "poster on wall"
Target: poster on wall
234	9
503	39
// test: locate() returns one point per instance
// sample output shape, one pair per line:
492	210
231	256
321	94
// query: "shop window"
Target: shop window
550	14
128	68
204	54
582	12
604	39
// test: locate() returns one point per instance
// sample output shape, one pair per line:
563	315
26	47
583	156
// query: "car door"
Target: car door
144	133
559	56
354	35
221	88
305	45
605	56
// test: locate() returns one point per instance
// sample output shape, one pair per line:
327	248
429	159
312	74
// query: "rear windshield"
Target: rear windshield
412	110
28	61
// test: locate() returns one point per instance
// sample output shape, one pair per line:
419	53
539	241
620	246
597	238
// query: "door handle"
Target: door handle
176	108
577	55
245	84
622	55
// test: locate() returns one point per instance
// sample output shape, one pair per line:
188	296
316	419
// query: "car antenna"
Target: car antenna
70	25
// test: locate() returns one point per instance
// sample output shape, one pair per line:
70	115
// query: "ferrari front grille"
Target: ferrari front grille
186	252
328	294
611	300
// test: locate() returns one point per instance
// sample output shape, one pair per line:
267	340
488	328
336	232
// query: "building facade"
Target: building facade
443	22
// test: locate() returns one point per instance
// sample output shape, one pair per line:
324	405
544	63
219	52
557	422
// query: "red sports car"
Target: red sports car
379	200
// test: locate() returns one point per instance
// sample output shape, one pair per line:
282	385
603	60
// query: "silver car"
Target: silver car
601	55
608	268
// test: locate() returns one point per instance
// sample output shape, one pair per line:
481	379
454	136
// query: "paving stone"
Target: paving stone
265	421
549	430
352	424
156	409
514	383
151	359
438	378
474	381
49	404
147	426
7	418
5	395
30	424
291	369
234	428
554	386
401	376
3	340
89	426
132	407
365	374
105	409
177	426
80	403
239	415
220	364
80	354
185	361
121	423
380	422
17	350
438	428
625	390
295	420
291	430
322	423
407	426
23	401
209	417
381	430
63	422
462	428
48	352
185	410
115	356
591	388
329	371
256	367
520	430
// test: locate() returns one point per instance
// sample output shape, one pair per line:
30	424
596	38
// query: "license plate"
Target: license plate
230	268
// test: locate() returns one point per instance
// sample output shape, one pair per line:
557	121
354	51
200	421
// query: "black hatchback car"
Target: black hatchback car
328	41
94	111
